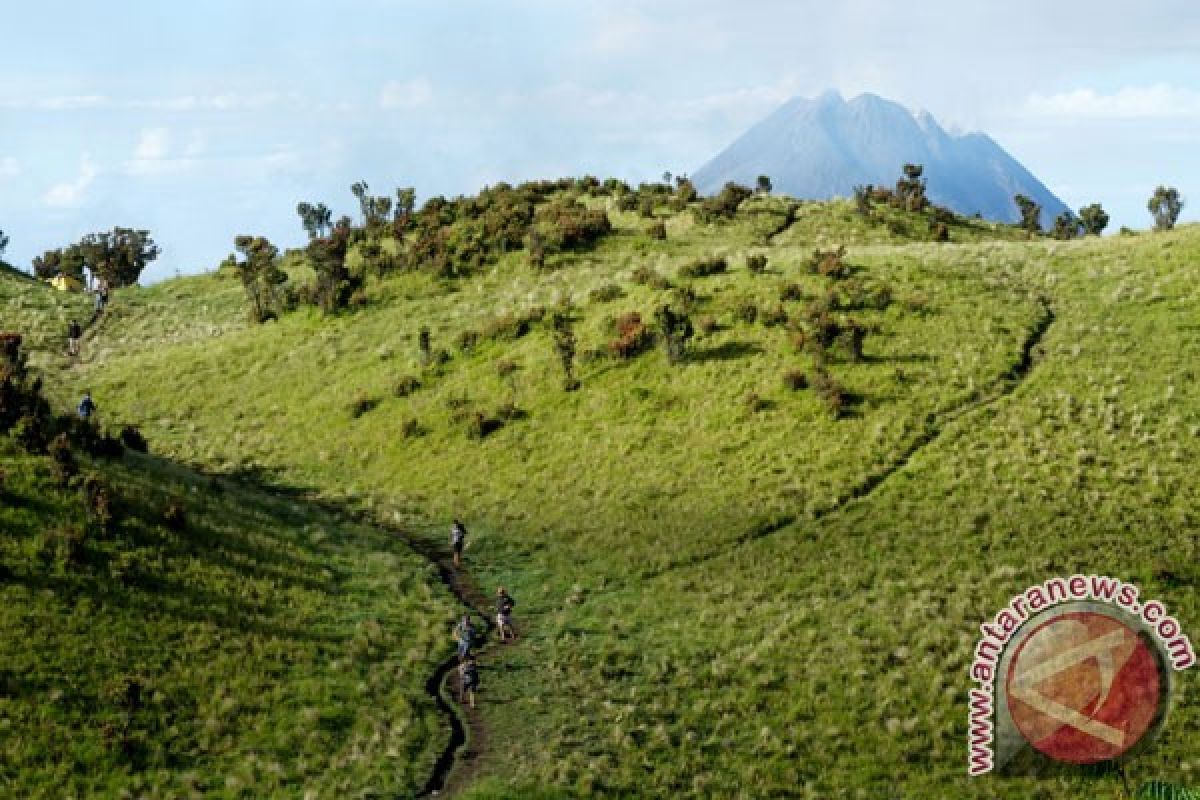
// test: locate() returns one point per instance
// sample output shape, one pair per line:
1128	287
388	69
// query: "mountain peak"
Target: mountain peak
821	148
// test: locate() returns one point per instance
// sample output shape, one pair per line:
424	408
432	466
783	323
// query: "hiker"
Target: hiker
74	332
464	632
458	540
468	673
87	407
504	607
101	300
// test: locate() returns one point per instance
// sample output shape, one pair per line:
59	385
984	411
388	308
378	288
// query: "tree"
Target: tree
1067	226
676	330
910	190
118	256
1094	219
862	199
763	184
1165	205
1031	213
3	243
327	254
317	220
564	346
406	201
666	176
260	275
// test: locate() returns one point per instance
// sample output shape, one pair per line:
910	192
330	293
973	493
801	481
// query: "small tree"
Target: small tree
425	345
862	199
327	254
676	330
1164	205
565	346
3	243
260	275
1067	226
1094	219
317	220
1031	213
118	256
910	190
763	184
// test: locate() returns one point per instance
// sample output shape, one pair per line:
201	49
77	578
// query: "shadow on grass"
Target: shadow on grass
729	351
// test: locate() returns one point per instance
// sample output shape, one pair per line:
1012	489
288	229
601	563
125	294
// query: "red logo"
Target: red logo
1084	687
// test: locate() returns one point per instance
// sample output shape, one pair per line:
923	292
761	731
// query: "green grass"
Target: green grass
275	650
707	610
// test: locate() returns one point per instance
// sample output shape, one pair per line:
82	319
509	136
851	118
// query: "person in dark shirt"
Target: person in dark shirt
74	333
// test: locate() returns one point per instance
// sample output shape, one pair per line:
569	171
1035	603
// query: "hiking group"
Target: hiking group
465	633
99	304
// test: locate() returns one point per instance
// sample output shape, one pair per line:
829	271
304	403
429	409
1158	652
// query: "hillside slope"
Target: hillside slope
724	589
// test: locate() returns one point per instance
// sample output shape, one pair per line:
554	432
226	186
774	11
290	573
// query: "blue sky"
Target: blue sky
201	121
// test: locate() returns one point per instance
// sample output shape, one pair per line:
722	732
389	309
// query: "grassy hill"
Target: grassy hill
724	588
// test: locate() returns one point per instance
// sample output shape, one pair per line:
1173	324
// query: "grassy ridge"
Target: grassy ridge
708	609
214	641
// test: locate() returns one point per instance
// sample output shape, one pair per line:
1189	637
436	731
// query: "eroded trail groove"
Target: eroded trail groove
935	424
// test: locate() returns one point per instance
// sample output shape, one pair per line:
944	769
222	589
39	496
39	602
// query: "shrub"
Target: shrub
411	428
773	317
633	337
858	295
406	386
362	404
480	425
685	297
133	439
795	380
676	330
791	292
645	276
627	201
513	326
657	230
941	233
174	516
66	544
645	207
468	340
704	267
708	324
830	392
756	402
606	293
756	263
99	503
747	312
506	367
723	205
830	263
30	433
63	459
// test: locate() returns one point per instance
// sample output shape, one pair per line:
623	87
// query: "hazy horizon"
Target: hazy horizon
216	120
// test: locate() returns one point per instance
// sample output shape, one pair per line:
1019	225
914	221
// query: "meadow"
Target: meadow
724	589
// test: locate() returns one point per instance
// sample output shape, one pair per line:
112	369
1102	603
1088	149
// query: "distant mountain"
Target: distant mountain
823	147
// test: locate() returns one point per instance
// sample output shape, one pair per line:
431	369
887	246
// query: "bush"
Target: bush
645	276
606	293
723	205
133	439
63	459
774	317
756	263
633	336
857	295
66	544
756	402
676	331
830	392
511	326
791	292
406	386
704	267
480	425
941	233
829	263
795	380
747	312
99	503
174	516
468	340
658	231
30	433
708	324
506	367
411	428
362	404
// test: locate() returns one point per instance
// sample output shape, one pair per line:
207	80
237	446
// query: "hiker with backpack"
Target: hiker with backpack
74	333
464	634
504	607
458	540
87	407
468	675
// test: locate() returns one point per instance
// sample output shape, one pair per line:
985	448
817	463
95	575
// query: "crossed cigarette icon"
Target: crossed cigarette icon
1101	649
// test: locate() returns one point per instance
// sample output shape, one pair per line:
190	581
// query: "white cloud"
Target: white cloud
409	95
72	193
1134	102
153	145
73	102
